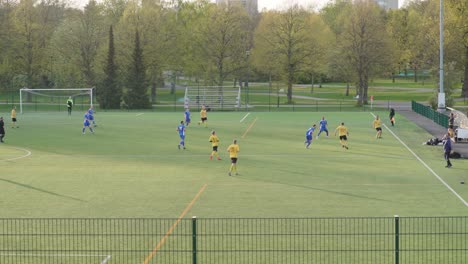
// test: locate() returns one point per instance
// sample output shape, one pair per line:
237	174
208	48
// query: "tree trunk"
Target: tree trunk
361	88
365	89
415	69
312	83
347	89
465	79
290	92
153	90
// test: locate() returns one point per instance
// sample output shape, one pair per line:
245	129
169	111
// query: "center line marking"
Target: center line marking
425	165
169	232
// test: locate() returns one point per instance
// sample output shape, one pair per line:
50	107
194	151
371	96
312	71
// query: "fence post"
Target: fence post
397	239
194	240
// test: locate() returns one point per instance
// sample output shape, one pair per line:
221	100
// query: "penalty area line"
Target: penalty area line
169	232
242	120
139	114
425	165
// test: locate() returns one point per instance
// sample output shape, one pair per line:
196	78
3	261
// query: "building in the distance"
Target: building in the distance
250	5
388	4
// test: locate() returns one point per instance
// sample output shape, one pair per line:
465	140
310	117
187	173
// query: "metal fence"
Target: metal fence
218	241
430	113
253	100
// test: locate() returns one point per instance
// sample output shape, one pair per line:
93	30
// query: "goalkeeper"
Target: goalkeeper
69	105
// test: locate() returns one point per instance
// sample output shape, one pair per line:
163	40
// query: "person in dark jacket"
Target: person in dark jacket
392	116
2	130
447	149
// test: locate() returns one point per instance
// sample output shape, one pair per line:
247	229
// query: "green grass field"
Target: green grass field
131	167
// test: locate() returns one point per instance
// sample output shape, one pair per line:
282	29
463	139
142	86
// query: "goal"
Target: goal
54	99
213	97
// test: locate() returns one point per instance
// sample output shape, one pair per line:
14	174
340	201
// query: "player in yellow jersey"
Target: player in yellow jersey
203	116
377	124
233	149
13	117
343	133
214	143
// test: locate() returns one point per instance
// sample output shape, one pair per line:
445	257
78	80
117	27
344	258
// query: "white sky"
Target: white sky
268	4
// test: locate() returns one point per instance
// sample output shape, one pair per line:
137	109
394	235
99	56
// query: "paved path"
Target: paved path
435	130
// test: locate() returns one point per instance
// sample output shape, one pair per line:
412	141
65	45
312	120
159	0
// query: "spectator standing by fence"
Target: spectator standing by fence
451	120
447	149
2	130
392	116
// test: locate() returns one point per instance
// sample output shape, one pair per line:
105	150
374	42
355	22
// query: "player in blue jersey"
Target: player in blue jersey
187	116
86	123
323	126
309	135
181	130
91	115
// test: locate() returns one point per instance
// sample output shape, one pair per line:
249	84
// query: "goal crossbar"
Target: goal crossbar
213	97
34	91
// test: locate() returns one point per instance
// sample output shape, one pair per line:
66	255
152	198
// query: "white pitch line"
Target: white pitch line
425	165
244	117
106	259
28	153
53	255
140	114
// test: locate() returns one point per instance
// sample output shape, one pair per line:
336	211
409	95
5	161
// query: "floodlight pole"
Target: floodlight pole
248	74
441	98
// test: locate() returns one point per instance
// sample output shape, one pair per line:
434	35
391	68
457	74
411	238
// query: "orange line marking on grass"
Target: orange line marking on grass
250	127
169	232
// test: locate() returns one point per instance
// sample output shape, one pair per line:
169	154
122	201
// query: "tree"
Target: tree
89	36
27	28
399	31
458	25
8	42
110	92
137	90
222	40
364	44
285	36
335	15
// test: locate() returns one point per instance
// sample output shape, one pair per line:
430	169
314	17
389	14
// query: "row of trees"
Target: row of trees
129	48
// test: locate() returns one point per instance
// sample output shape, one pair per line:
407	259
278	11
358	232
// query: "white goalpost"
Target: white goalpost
50	99
213	97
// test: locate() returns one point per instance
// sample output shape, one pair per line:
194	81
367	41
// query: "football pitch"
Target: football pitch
131	168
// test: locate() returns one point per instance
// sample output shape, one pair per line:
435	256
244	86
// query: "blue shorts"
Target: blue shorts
86	123
187	120
182	136
91	118
309	138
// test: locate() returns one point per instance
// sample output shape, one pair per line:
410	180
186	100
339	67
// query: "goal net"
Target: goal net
213	97
55	99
